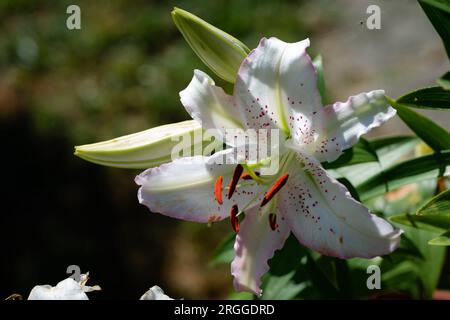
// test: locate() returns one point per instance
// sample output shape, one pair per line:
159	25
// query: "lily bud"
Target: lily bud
221	52
141	150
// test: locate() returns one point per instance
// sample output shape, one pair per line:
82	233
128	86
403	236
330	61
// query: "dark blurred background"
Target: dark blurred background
121	73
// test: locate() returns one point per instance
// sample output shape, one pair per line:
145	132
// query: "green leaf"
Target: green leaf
427	98
282	287
409	248
430	267
434	215
440	4
317	62
361	152
350	187
224	252
383	150
410	171
439	15
440	204
241	296
444	81
391	149
431	223
328	267
280	282
442	240
431	133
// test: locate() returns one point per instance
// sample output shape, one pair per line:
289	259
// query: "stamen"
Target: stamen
234	218
274	189
218	190
273	221
247	176
234	180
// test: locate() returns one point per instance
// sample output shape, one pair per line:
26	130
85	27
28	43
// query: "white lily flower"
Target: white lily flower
155	293
67	289
276	88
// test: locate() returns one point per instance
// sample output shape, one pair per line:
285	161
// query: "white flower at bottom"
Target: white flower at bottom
67	289
155	293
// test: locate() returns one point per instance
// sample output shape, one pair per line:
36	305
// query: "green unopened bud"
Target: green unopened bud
221	52
144	149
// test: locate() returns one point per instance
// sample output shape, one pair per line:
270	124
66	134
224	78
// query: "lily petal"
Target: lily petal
67	289
324	217
344	122
185	188
209	105
277	86
255	244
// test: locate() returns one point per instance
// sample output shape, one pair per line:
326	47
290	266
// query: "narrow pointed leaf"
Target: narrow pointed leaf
427	98
435	214
442	240
432	223
406	172
431	133
439	205
383	150
440	4
439	14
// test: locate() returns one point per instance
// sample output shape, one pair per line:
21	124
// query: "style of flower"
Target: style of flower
276	88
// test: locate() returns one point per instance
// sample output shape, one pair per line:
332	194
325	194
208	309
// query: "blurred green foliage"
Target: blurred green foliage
123	70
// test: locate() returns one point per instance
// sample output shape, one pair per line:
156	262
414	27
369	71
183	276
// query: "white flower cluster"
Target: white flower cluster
69	289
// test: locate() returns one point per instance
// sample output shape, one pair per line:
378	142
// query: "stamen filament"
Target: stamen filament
274	189
253	174
247	176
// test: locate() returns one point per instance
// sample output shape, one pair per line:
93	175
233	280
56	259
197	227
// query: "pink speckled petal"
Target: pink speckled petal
255	244
324	217
210	105
344	122
184	188
277	87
